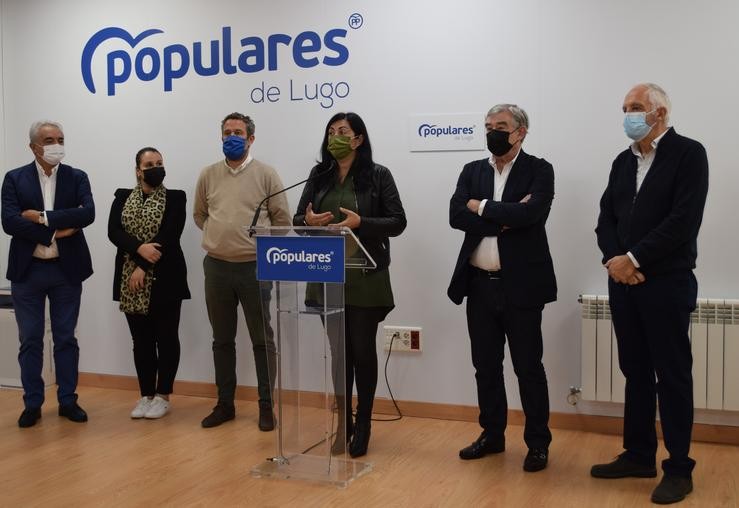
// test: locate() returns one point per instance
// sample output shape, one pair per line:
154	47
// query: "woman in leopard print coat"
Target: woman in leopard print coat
150	278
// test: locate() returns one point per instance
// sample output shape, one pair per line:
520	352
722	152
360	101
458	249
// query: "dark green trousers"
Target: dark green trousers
226	285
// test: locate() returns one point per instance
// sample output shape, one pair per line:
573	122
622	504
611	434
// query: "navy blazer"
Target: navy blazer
660	224
73	208
170	272
528	271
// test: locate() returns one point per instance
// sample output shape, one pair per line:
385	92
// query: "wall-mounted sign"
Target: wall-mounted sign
457	132
115	59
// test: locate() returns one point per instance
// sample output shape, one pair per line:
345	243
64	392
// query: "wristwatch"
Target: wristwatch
41	217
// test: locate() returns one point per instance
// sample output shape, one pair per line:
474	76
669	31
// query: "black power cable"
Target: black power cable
387	383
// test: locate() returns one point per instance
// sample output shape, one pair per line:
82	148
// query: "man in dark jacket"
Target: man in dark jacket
45	206
505	270
650	215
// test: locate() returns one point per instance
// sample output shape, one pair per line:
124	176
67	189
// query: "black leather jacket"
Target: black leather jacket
379	207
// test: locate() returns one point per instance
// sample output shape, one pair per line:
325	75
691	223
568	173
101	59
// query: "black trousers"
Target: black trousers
360	352
651	322
156	347
490	319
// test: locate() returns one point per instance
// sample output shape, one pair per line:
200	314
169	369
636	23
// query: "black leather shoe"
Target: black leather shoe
73	412
536	459
220	414
672	489
342	438
360	440
484	445
29	417
266	416
623	468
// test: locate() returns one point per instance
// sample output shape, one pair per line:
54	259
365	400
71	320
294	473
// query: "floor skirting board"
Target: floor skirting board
709	433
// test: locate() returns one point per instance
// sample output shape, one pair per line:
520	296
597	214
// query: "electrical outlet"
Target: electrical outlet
404	338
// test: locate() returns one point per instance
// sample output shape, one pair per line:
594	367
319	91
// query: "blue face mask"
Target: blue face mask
234	147
636	126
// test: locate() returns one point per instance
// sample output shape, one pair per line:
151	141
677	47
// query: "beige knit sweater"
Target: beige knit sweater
225	204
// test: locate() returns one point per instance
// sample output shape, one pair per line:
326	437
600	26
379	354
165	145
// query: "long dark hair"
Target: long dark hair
363	163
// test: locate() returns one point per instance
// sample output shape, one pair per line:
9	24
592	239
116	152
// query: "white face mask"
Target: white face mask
53	154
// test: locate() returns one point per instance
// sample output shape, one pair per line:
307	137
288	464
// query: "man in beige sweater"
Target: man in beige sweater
226	197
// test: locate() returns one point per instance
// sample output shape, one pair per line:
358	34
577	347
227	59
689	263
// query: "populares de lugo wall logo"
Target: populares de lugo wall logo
147	57
445	132
425	130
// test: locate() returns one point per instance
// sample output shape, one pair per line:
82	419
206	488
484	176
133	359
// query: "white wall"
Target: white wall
568	63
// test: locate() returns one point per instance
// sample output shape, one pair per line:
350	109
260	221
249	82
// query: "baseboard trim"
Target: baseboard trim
708	433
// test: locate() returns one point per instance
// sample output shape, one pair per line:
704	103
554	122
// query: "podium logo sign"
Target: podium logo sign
291	258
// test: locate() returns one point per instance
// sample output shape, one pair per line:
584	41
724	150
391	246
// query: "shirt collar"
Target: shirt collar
42	173
635	145
491	161
241	167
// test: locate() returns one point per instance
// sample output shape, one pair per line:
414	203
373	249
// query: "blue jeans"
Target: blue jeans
46	279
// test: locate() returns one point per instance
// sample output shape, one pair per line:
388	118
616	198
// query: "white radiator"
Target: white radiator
714	337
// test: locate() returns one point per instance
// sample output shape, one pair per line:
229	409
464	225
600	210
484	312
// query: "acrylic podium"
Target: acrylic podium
301	275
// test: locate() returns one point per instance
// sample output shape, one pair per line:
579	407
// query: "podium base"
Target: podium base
336	471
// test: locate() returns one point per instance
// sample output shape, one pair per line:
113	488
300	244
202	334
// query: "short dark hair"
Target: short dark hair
250	127
141	152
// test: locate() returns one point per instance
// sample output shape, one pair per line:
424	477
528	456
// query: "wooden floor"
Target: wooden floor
115	461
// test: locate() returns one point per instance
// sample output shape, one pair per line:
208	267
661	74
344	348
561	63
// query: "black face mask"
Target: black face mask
498	142
154	176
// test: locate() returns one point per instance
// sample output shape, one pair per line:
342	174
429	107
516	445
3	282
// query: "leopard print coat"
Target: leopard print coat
141	218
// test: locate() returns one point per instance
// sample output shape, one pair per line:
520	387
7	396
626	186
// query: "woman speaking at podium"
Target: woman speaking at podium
351	190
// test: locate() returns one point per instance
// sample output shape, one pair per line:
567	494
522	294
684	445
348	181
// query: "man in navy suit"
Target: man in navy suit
650	214
45	205
505	270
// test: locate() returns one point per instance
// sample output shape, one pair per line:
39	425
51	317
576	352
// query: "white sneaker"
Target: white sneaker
158	408
142	406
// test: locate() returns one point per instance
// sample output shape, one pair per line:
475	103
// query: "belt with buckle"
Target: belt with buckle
45	260
488	274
